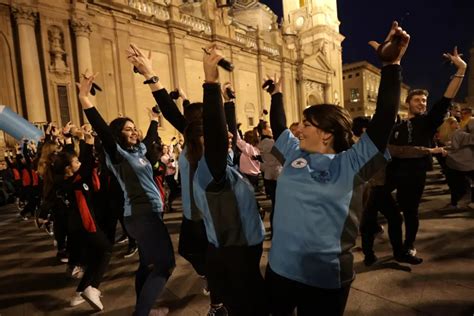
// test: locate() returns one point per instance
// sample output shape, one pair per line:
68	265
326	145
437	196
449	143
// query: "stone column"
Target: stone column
25	18
82	30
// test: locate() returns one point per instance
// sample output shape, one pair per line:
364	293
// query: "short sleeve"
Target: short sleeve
287	144
364	158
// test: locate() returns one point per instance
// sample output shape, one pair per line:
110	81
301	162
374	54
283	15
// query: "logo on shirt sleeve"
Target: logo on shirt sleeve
299	163
142	161
85	186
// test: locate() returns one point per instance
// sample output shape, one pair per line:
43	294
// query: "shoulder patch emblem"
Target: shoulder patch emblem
142	161
299	163
85	186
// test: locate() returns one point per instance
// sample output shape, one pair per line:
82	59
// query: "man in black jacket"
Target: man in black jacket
410	147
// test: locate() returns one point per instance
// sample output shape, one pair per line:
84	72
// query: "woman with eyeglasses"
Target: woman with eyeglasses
143	207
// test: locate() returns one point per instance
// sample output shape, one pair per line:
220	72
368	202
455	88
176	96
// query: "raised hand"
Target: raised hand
139	60
212	55
272	85
228	91
396	43
84	88
67	128
456	59
182	95
153	115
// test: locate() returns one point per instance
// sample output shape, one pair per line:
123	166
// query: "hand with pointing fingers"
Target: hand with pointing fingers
84	88
274	85
456	59
138	59
212	55
396	43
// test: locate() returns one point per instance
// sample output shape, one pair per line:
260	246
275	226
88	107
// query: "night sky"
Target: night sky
435	27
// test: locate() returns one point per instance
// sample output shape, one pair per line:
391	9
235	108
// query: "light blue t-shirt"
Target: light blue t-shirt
135	176
230	215
317	209
190	211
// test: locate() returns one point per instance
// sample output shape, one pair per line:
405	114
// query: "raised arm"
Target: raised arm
144	66
169	109
388	99
229	109
86	157
96	120
277	111
152	132
214	121
439	109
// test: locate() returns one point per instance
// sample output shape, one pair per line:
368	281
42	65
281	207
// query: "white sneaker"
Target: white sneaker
77	299
92	296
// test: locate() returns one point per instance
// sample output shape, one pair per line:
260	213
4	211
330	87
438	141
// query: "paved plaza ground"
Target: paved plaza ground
32	282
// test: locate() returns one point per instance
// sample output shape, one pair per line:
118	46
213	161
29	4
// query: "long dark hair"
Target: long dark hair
192	139
193	112
251	137
332	119
116	127
54	173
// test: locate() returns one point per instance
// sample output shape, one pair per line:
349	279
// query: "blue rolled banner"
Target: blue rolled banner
16	126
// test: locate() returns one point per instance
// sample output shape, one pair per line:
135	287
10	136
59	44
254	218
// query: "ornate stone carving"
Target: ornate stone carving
56	50
315	91
248	41
196	24
156	8
81	27
270	49
25	15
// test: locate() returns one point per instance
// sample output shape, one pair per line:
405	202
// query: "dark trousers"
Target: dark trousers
459	184
285	295
270	190
379	199
98	252
234	279
193	244
156	258
60	228
174	189
131	241
409	185
32	198
253	179
76	247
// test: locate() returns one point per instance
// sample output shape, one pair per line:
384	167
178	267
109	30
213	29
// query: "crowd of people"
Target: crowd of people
323	176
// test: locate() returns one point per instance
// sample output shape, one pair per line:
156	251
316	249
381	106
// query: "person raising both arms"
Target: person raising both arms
143	208
319	195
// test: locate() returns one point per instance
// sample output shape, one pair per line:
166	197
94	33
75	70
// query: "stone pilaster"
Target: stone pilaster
82	29
26	18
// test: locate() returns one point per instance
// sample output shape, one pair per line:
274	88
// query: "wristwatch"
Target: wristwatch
153	79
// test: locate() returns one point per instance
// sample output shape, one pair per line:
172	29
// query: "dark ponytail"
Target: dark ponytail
332	119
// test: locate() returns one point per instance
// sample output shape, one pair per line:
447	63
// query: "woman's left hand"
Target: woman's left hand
212	56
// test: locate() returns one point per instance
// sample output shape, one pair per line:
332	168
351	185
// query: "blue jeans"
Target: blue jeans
156	258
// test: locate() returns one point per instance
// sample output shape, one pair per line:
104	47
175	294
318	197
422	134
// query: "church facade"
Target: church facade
45	46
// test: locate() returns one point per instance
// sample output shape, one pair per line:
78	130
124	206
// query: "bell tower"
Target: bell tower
315	24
